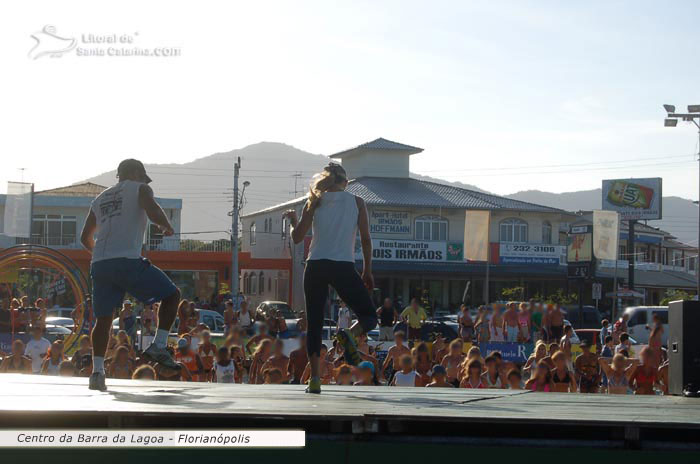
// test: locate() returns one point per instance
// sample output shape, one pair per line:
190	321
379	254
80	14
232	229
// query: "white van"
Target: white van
640	320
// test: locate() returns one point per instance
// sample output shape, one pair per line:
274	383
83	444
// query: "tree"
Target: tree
673	295
513	294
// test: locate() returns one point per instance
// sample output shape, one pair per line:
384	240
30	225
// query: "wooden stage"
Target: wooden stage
452	416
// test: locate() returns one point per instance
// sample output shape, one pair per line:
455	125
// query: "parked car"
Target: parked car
59	312
56	332
447	329
66	322
640	320
587	318
266	307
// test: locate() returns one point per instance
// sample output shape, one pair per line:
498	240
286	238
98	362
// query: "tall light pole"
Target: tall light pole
693	115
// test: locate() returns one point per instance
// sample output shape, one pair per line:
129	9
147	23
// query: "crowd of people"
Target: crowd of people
253	353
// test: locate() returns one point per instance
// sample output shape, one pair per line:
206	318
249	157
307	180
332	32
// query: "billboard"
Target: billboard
411	251
633	198
512	253
580	245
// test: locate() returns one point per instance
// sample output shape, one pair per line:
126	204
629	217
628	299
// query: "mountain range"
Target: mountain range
278	172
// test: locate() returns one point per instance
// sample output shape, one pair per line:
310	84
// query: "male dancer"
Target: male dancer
118	218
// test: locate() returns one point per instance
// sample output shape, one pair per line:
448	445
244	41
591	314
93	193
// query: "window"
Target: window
547	232
261	283
639	318
246	287
431	229
253	284
252	234
284	228
513	230
663	316
53	230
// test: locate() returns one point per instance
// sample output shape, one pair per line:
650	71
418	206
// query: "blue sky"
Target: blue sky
562	94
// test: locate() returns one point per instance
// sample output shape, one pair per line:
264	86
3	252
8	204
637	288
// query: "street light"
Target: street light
693	115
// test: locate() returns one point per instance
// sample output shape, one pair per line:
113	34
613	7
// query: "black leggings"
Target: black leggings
343	277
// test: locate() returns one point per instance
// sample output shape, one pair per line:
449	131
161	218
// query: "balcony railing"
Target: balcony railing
188	244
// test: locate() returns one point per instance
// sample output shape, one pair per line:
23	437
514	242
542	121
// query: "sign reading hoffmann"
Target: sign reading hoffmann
633	198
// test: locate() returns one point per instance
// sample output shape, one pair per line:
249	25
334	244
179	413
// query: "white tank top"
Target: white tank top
121	222
225	374
405	380
334	228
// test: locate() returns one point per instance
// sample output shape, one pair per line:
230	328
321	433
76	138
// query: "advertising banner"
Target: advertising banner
390	222
605	234
510	253
512	352
633	198
476	235
580	245
405	250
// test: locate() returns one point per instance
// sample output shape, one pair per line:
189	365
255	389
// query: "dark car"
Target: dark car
266	308
587	318
429	329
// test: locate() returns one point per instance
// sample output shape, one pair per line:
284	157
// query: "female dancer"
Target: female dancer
562	379
472	379
645	376
334	216
466	324
541	381
618	372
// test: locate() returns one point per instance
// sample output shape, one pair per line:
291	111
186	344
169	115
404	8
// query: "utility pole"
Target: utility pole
234	236
693	115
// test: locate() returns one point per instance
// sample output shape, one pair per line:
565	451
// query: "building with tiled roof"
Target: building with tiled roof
526	243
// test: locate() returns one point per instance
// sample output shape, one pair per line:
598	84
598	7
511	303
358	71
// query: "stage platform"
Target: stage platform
389	414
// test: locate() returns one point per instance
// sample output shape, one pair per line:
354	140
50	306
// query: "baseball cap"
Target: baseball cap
132	165
182	343
366	365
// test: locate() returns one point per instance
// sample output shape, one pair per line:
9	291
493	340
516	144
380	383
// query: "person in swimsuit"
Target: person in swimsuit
453	360
555	319
524	317
394	354
619	371
541	381
229	317
656	340
587	369
540	352
207	351
120	367
297	361
472	379
440	348
562	379
496	326
492	377
127	319
481	326
17	362
511	327
466	324
239	361
262	352
663	377
149	315
326	368
278	360
645	376
422	363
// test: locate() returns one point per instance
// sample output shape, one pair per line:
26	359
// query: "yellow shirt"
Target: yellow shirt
414	318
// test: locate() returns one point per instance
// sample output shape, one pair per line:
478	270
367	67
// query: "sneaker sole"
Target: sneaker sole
169	366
